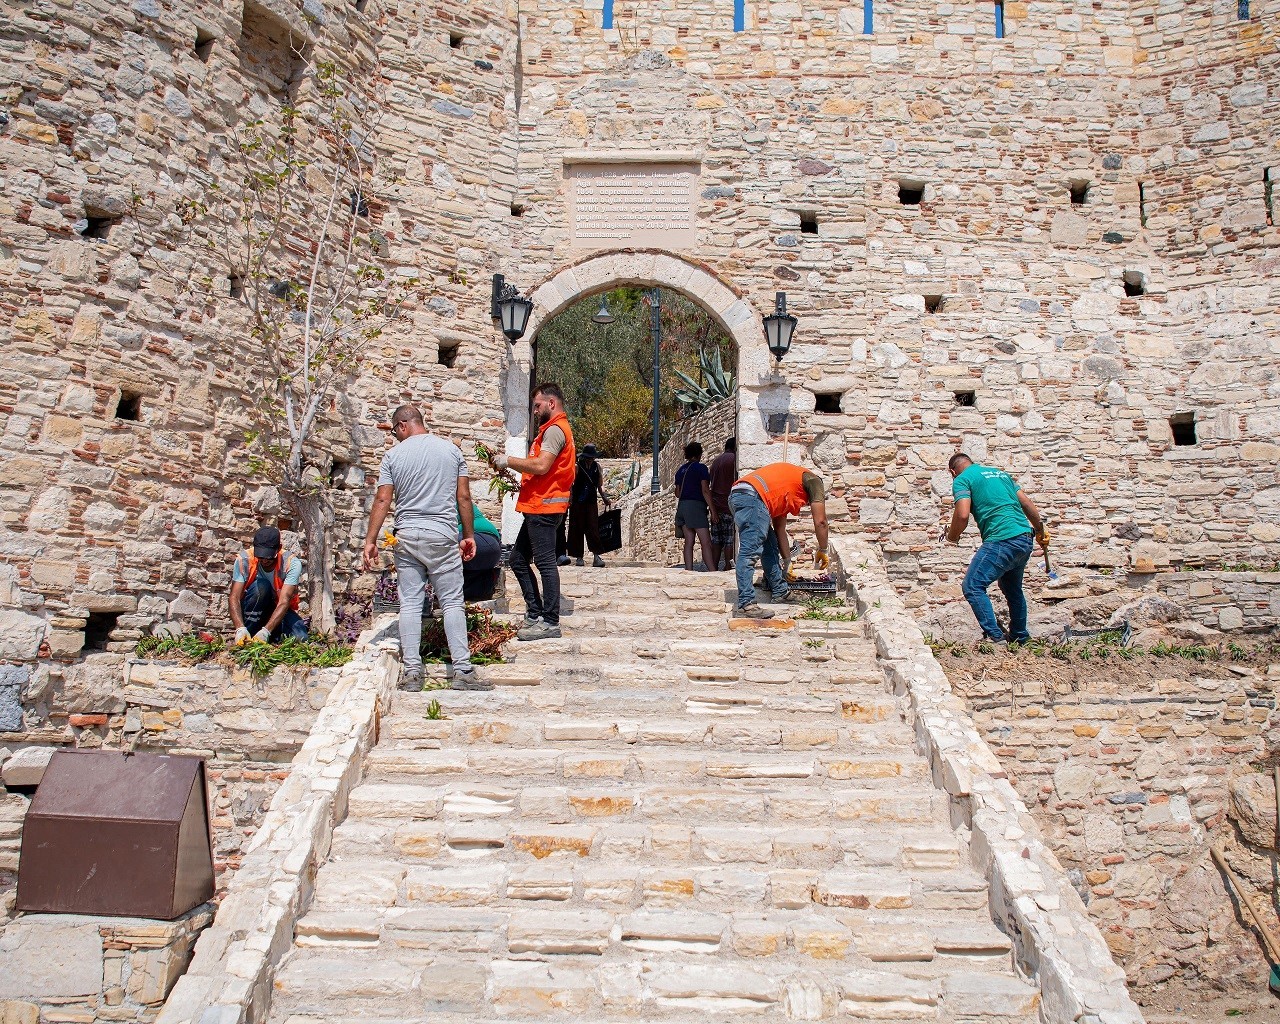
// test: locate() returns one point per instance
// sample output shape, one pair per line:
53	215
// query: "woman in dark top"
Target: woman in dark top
693	503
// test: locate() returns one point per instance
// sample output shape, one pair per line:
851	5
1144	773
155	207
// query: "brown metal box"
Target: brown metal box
118	834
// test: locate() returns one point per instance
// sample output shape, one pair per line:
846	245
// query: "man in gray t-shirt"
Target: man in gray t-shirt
427	476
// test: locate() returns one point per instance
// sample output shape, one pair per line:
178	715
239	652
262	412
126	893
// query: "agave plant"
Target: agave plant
718	385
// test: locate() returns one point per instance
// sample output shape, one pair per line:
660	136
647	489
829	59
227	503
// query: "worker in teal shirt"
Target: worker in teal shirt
479	575
1007	519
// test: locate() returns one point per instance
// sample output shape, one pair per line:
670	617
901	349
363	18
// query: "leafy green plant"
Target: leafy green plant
813	643
828	609
434	712
501	483
314	652
717	382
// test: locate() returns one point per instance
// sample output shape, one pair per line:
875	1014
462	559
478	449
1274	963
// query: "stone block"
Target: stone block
26	767
49	956
12	680
1253	807
20	635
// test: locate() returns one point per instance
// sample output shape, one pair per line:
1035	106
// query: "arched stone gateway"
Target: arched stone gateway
740	318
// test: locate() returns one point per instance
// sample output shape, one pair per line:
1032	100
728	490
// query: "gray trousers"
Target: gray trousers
422	556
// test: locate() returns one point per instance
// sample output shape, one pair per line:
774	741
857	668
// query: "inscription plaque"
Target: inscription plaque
633	205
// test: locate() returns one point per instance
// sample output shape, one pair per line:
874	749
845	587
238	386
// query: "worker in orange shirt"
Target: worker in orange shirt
761	501
545	485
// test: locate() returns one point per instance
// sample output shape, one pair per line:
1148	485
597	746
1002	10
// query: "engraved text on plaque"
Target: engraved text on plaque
620	205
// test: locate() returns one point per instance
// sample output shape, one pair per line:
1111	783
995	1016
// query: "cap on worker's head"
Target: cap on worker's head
589	450
266	542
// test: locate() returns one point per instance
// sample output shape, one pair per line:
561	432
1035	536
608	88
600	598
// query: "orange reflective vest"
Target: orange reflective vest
549	494
283	562
780	486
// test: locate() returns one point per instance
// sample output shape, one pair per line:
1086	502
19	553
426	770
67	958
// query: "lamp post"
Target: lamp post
779	326
509	308
655	323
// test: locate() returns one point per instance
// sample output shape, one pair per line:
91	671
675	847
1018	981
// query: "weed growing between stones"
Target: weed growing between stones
434	712
259	658
1107	645
828	609
484	636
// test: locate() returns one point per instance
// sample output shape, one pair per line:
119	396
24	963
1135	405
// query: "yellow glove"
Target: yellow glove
1042	538
821	560
242	636
788	573
389	539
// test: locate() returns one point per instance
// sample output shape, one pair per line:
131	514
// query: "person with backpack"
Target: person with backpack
264	591
584	513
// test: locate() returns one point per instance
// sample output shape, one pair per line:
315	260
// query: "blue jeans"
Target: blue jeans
756	541
258	605
1002	562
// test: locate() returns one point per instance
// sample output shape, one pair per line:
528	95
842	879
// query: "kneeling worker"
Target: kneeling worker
760	502
264	591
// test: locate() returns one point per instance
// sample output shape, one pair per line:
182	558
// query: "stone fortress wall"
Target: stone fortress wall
805	128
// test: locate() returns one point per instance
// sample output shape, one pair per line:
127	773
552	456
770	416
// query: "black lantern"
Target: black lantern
778	327
603	316
509	308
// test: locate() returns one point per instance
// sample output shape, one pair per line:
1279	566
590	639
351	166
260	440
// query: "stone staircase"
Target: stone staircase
659	817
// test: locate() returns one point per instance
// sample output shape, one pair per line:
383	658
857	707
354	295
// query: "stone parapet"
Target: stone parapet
229	980
76	967
1032	899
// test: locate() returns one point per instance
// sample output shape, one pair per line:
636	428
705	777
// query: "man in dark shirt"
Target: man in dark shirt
724	471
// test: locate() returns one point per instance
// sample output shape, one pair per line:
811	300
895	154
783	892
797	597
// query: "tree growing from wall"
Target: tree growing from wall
290	214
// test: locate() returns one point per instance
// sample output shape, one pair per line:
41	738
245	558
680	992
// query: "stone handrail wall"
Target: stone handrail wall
711	428
1033	900
229	980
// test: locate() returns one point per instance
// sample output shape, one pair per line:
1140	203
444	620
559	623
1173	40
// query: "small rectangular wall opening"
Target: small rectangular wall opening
358	204
968	399
1242	10
235	286
933	303
361	5
129	407
999	6
1142	204
808	223
517	209
284	525
98	630
828	402
868	17
447	354
1135	283
98	224
910	191
1079	191
338	473
456	39
606	19
203	48
269	51
1183	425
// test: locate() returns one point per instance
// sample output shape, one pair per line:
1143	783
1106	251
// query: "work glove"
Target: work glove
263	635
1042	538
242	636
499	463
788	573
821	560
389	539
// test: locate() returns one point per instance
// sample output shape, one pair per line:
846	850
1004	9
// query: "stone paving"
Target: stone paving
658	817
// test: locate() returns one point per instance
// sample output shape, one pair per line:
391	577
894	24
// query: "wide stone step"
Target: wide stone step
705	648
551	765
866	728
645	986
854	704
902	848
728	802
851	937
